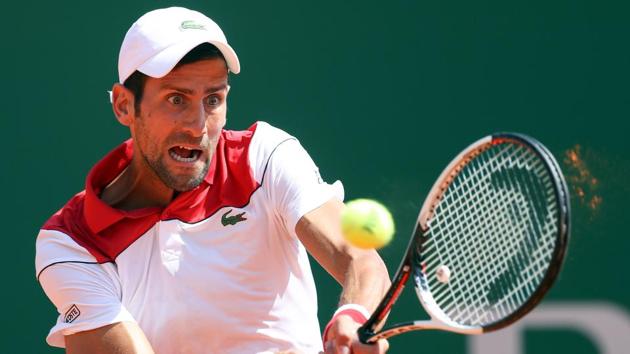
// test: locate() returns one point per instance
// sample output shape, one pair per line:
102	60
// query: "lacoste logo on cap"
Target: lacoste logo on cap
189	24
227	219
72	314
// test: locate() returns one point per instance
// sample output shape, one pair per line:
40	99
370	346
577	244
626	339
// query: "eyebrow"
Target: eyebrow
189	91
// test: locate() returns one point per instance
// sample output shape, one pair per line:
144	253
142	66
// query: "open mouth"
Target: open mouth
184	154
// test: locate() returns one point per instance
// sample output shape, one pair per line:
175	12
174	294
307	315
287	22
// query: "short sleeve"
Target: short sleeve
87	294
295	185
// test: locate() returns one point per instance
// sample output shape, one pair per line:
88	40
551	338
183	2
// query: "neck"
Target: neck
137	188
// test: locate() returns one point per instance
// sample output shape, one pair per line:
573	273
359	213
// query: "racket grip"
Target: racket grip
365	334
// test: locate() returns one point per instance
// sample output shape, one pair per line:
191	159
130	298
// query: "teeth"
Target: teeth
192	158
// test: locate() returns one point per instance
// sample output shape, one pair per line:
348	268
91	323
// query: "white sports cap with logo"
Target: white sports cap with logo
159	39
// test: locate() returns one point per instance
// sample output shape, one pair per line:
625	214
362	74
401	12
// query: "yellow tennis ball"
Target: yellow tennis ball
366	223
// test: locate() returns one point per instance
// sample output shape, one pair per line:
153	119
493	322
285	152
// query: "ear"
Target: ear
123	104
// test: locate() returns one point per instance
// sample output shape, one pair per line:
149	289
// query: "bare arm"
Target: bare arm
362	274
117	338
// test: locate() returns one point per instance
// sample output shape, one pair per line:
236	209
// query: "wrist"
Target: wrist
358	313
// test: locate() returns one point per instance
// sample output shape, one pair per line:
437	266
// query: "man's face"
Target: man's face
180	121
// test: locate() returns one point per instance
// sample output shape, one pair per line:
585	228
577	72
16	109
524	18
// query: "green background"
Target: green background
382	94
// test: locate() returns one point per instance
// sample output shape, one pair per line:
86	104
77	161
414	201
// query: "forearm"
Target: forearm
365	281
362	274
119	338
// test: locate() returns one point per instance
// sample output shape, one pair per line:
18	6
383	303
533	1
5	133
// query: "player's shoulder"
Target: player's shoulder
258	135
261	140
270	132
64	237
267	139
68	216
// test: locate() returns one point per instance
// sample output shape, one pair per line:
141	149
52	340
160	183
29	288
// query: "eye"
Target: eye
176	99
213	100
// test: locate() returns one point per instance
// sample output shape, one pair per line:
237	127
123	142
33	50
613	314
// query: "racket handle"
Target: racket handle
365	334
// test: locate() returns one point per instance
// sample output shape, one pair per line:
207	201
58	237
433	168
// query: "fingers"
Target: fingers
332	347
343	339
381	346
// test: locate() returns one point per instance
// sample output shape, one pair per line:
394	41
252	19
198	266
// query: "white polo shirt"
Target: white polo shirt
219	270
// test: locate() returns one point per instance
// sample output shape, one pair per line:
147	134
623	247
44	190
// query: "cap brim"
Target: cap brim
163	62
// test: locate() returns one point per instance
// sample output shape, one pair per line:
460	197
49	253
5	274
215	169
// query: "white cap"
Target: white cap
159	39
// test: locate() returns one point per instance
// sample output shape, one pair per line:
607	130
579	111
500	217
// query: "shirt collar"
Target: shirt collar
100	215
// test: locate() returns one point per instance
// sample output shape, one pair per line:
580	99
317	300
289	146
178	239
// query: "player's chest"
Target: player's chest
174	254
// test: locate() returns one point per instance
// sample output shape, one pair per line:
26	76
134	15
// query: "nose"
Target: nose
195	121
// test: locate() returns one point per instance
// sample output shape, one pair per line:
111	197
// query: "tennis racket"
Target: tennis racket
488	243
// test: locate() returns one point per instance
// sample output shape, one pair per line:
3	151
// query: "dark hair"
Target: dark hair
135	82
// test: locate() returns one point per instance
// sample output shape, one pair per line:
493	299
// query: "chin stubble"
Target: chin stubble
177	183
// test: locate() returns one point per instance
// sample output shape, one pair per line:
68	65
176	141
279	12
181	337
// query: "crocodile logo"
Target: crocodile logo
192	25
227	219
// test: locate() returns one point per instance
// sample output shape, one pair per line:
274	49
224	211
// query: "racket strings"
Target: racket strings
494	228
462	205
503	246
467	289
513	215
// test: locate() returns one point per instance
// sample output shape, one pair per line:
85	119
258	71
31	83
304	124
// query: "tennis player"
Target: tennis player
190	238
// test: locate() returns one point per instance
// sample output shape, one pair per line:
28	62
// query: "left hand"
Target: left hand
342	338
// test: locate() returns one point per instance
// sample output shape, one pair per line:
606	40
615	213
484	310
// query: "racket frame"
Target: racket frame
411	265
